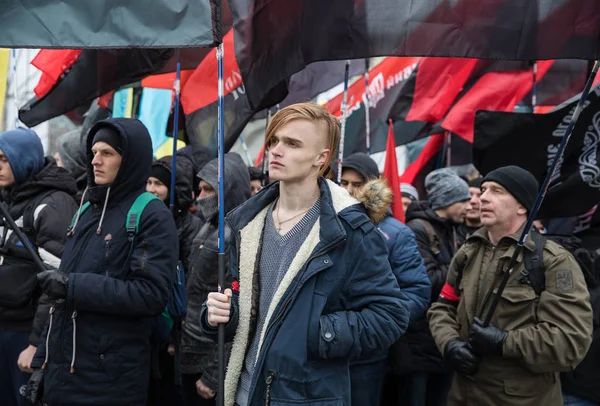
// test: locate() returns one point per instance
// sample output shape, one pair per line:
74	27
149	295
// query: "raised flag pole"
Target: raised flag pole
177	91
343	121
534	87
367	104
542	194
221	197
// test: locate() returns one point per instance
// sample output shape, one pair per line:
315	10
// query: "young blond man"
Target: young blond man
313	287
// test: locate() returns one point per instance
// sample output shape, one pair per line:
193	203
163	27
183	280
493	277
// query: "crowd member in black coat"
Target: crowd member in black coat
110	286
38	195
435	223
199	353
163	390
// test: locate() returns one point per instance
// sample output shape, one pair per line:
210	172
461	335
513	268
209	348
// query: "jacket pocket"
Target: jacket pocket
529	386
516	308
109	356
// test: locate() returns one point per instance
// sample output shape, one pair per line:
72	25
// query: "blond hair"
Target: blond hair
327	123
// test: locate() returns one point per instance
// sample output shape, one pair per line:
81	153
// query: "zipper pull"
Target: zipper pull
270	379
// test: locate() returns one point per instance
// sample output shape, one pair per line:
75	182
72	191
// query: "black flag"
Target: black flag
531	141
276	38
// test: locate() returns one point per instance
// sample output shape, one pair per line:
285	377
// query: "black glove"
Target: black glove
486	340
35	389
459	356
54	284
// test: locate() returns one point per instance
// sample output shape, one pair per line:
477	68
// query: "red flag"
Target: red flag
390	172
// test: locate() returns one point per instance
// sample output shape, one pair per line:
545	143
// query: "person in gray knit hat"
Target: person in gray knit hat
435	223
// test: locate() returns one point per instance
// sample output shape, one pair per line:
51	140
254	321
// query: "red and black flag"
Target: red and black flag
78	78
386	86
531	141
276	38
439	151
199	100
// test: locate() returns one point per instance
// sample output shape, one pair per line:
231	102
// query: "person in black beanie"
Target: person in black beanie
162	388
533	333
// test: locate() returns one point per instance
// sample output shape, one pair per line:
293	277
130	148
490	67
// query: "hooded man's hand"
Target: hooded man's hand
54	284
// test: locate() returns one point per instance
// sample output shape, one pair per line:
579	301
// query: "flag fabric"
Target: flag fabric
199	100
100	24
531	141
390	173
93	74
154	112
439	150
277	38
385	87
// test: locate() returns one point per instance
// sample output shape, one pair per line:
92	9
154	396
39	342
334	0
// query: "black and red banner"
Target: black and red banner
276	38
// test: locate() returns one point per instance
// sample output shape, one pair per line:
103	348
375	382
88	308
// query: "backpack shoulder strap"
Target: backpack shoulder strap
29	214
79	212
534	270
434	241
132	224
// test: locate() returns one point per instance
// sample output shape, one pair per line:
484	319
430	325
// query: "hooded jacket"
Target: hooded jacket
97	341
187	224
71	148
199	352
417	351
339	301
47	199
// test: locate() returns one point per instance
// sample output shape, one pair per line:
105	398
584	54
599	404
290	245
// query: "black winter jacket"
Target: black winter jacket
46	200
187	224
97	343
199	353
416	351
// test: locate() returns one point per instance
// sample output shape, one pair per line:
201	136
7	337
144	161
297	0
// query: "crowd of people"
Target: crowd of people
329	300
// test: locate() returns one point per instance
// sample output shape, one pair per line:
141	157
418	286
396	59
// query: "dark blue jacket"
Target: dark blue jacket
409	269
338	302
407	264
97	343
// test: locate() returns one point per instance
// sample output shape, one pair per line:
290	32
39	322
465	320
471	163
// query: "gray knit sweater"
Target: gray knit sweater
276	256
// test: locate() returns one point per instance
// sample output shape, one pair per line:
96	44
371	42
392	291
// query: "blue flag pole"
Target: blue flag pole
343	124
221	197
177	89
367	112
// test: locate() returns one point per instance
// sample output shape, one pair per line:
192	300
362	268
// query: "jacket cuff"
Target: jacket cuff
208	380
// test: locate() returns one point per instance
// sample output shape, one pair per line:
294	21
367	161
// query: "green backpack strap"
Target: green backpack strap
132	224
78	213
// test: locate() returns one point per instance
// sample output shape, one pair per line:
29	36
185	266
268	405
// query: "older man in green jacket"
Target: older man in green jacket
532	336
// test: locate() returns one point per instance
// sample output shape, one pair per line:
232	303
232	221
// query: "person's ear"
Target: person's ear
323	157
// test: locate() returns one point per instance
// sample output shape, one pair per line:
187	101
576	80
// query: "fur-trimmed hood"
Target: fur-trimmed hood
377	197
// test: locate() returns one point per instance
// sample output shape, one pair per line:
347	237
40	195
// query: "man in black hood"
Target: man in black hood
199	353
39	197
112	281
